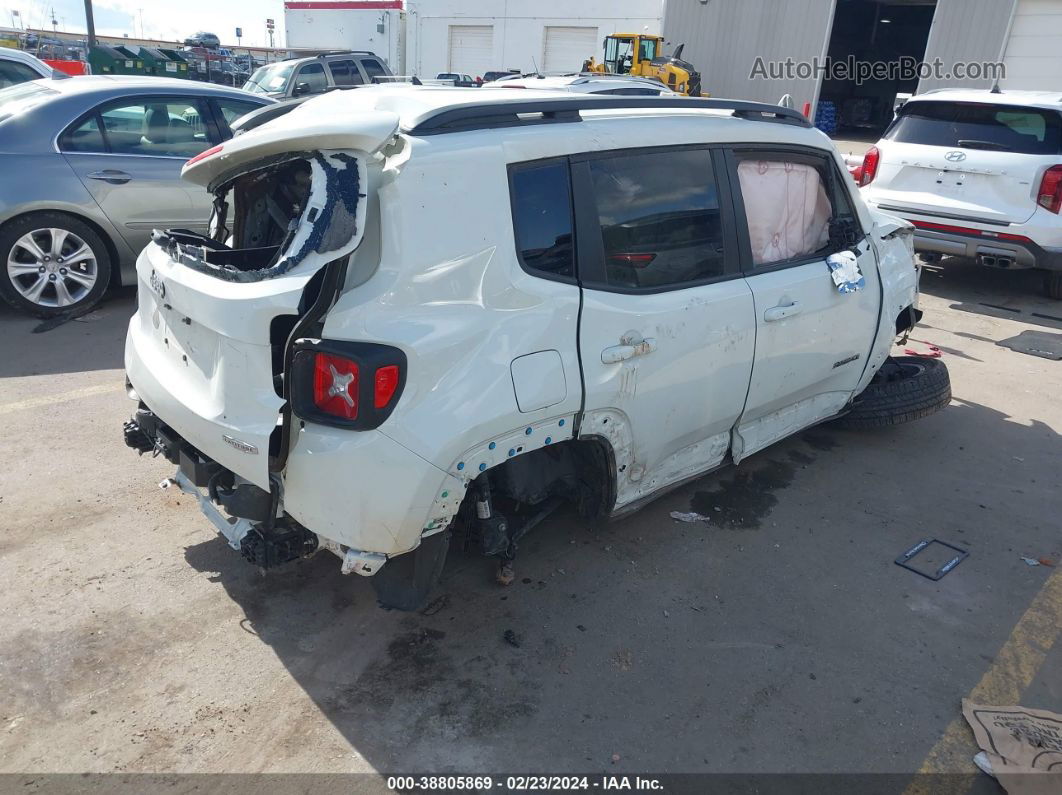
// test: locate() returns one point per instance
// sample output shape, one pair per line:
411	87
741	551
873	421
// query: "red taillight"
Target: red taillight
385	385
870	166
929	226
335	386
346	384
1050	194
205	154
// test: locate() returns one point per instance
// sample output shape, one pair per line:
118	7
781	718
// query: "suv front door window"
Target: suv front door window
668	327
796	214
310	79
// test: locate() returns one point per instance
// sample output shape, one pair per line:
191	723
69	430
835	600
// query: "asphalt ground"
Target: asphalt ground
779	637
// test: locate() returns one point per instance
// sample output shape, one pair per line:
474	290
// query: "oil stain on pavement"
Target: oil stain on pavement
746	498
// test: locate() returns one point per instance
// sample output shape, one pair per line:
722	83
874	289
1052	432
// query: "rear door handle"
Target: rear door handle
781	312
111	176
631	345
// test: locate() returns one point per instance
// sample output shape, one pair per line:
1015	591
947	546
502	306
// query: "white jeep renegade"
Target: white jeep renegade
424	310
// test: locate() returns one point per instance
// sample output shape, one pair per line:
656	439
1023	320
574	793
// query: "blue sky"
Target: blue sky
164	19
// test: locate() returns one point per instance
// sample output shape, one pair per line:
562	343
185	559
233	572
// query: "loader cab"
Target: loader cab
624	52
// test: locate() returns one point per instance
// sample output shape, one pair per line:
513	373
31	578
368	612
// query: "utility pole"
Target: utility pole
90	24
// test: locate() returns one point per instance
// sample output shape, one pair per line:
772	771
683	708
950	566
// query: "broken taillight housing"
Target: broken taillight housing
346	384
1050	194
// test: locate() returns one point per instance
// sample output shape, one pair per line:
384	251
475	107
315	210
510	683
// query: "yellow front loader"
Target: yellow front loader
640	55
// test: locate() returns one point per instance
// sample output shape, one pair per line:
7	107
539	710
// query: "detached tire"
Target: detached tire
405	581
1053	284
906	388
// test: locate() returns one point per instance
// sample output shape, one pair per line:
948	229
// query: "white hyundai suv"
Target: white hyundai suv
979	174
653	288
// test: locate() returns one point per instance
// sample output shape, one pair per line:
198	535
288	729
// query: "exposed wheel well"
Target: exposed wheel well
112	249
907	319
581	472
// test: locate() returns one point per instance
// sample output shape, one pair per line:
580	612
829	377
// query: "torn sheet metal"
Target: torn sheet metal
333	222
330	226
844	268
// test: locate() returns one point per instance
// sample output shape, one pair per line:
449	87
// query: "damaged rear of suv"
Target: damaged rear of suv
344	364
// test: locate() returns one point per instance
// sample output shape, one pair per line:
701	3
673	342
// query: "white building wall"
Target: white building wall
323	25
519	28
1033	56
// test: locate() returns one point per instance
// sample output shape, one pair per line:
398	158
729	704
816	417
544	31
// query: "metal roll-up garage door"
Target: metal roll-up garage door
472	49
566	48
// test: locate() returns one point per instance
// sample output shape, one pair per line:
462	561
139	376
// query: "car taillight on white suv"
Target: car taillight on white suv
870	166
1050	194
346	384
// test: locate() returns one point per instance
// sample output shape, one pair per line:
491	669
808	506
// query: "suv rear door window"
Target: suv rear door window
965	125
345	73
659	218
542	218
373	68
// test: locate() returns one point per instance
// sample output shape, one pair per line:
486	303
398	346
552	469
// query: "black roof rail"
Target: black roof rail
344	52
485	115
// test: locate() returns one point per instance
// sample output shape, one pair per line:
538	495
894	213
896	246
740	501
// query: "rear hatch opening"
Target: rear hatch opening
274	215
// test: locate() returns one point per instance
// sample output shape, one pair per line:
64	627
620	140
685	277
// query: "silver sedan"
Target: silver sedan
91	166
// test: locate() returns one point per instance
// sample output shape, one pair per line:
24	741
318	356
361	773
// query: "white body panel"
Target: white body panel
682	395
810	357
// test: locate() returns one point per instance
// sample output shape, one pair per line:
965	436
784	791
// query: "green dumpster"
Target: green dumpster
175	66
107	60
159	62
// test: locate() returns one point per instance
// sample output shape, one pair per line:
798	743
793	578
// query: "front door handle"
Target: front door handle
781	312
111	176
631	344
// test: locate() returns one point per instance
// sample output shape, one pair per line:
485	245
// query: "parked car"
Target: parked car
203	39
300	77
91	165
978	174
17	67
347	365
589	83
497	75
459	80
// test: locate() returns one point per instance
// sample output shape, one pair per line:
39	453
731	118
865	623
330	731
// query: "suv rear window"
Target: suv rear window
965	125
